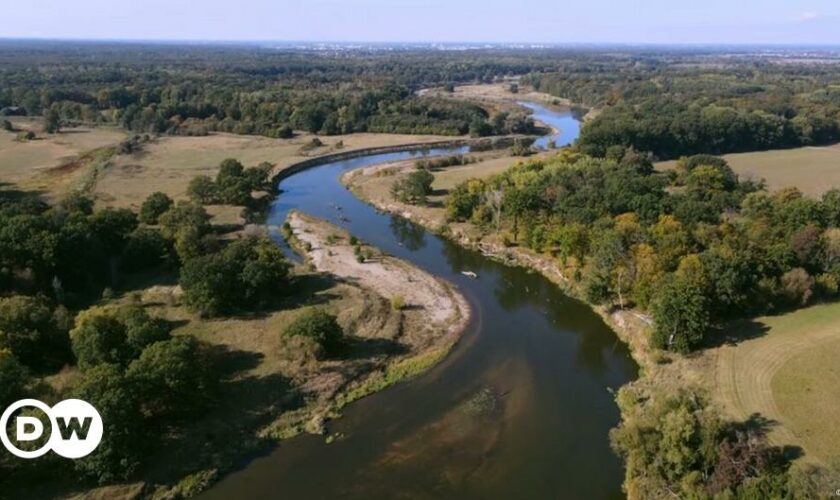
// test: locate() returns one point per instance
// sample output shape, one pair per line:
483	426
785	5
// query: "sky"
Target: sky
508	21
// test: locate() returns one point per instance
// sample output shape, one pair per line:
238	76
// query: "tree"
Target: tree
681	314
319	326
414	188
202	189
52	121
13	378
182	215
146	248
114	335
155	205
126	439
29	331
172	377
247	274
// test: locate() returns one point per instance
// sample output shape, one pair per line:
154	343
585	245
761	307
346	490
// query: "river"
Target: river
520	409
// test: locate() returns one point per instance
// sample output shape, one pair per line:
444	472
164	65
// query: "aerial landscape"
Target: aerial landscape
420	250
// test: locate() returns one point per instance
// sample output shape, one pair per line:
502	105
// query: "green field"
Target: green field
788	374
813	170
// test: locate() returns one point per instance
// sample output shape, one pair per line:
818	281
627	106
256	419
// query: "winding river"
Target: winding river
521	408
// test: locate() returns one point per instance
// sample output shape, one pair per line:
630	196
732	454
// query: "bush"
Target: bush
397	302
246	275
319	326
183	215
146	248
114	335
13	378
414	188
171	377
126	439
155	205
28	330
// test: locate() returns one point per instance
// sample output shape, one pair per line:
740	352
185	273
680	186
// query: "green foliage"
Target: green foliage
463	200
145	249
246	275
233	184
414	188
29	330
155	205
172	377
13	378
681	314
126	440
321	327
52	121
677	445
185	215
114	335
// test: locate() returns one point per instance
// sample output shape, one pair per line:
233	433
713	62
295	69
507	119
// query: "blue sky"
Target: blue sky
544	21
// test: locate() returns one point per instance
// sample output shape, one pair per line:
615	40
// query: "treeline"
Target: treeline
59	267
676	106
694	248
678	446
250	90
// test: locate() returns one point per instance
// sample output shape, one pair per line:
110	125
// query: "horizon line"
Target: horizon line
833	45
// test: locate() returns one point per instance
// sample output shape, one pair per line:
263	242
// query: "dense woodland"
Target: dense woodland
251	90
690	106
694	247
60	270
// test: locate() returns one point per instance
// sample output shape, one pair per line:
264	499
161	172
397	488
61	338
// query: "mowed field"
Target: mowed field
786	371
33	165
813	170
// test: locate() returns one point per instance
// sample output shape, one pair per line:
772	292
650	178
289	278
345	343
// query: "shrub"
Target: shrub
114	335
414	188
154	206
13	378
397	302
247	274
28	329
172	377
319	326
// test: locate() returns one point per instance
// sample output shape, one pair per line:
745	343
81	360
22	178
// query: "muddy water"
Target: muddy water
520	409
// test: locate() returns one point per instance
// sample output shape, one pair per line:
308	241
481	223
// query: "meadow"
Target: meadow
814	170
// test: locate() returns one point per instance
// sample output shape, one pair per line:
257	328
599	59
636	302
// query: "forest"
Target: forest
695	247
672	110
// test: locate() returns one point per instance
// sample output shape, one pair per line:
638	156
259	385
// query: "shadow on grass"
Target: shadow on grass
363	348
735	332
225	436
9	193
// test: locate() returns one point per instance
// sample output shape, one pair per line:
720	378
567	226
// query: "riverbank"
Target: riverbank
660	372
433	314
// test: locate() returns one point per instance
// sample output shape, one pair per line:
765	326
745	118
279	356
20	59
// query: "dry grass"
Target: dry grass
785	372
813	170
169	163
34	165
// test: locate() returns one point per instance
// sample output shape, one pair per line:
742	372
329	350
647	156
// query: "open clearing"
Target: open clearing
169	163
31	165
786	372
814	170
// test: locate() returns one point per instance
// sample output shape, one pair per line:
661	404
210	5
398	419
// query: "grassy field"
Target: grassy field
785	370
813	170
35	165
169	163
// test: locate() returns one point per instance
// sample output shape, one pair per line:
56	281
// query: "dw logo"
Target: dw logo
75	428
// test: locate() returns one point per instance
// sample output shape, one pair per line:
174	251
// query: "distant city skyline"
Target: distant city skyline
810	22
